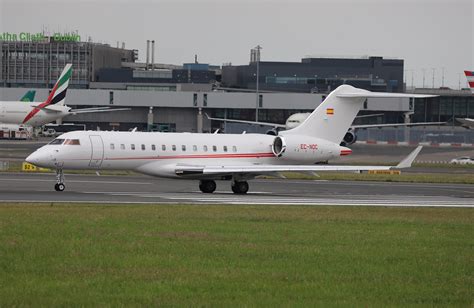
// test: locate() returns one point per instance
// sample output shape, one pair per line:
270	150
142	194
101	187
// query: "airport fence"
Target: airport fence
438	135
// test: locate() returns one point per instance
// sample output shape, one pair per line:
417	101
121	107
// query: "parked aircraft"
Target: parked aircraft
40	113
29	96
297	118
466	122
470	79
210	157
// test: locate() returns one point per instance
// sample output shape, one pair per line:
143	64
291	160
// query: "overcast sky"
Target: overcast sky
425	33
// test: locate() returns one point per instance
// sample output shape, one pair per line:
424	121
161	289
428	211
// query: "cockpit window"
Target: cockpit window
57	142
72	142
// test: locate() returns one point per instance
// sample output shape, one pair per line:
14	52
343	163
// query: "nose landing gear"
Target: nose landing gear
59	186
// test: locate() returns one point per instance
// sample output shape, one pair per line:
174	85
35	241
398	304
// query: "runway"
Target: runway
22	187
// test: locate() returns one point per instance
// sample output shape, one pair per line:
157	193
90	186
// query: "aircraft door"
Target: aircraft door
97	151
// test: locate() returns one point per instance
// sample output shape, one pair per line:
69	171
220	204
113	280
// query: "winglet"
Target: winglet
406	163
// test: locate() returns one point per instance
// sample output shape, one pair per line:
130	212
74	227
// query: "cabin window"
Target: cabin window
112	146
143	147
195	148
204	147
234	148
225	148
72	142
132	146
122	146
173	147
214	148
183	148
153	147
163	147
57	142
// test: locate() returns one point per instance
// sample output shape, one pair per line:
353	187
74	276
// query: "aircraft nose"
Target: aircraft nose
38	158
33	158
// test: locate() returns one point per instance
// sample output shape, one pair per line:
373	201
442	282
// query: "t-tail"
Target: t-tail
334	116
470	79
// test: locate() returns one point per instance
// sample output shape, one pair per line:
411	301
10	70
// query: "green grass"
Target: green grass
193	255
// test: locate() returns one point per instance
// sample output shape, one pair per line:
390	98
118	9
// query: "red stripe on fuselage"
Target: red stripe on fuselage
249	155
469	73
471	84
37	109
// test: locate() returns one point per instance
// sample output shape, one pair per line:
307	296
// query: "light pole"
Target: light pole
432	85
424	70
257	55
442	76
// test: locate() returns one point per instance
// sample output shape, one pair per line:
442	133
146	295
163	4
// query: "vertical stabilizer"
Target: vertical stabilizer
333	117
470	79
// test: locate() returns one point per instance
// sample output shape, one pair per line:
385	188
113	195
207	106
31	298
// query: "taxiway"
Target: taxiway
23	187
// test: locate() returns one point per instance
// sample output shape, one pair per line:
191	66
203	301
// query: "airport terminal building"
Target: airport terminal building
166	97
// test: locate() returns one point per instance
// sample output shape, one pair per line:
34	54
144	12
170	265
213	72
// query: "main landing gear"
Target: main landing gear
207	186
238	187
59	186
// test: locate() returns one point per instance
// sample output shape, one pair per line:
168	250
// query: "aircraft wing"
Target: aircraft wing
396	124
254	170
246	122
466	122
98	109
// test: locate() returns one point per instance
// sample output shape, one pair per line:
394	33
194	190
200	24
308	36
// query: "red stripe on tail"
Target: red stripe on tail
37	109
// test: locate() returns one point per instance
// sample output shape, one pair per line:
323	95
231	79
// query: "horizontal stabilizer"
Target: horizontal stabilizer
368	94
50	108
94	110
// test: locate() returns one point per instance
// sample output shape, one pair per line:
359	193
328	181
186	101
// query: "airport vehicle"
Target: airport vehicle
53	130
39	113
465	160
210	157
15	132
349	138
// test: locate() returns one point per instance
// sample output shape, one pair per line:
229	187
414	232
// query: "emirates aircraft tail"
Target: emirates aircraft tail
470	79
58	93
332	118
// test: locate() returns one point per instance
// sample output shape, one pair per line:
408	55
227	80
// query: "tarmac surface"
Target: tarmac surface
24	187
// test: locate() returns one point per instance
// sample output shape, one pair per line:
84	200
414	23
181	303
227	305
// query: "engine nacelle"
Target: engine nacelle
305	149
349	138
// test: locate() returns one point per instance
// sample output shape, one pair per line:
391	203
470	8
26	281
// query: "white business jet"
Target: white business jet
40	113
210	157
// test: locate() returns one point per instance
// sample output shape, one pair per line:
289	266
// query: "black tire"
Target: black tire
241	187
207	186
59	187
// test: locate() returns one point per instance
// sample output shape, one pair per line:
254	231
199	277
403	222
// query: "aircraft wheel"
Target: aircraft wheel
59	187
241	187
207	186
